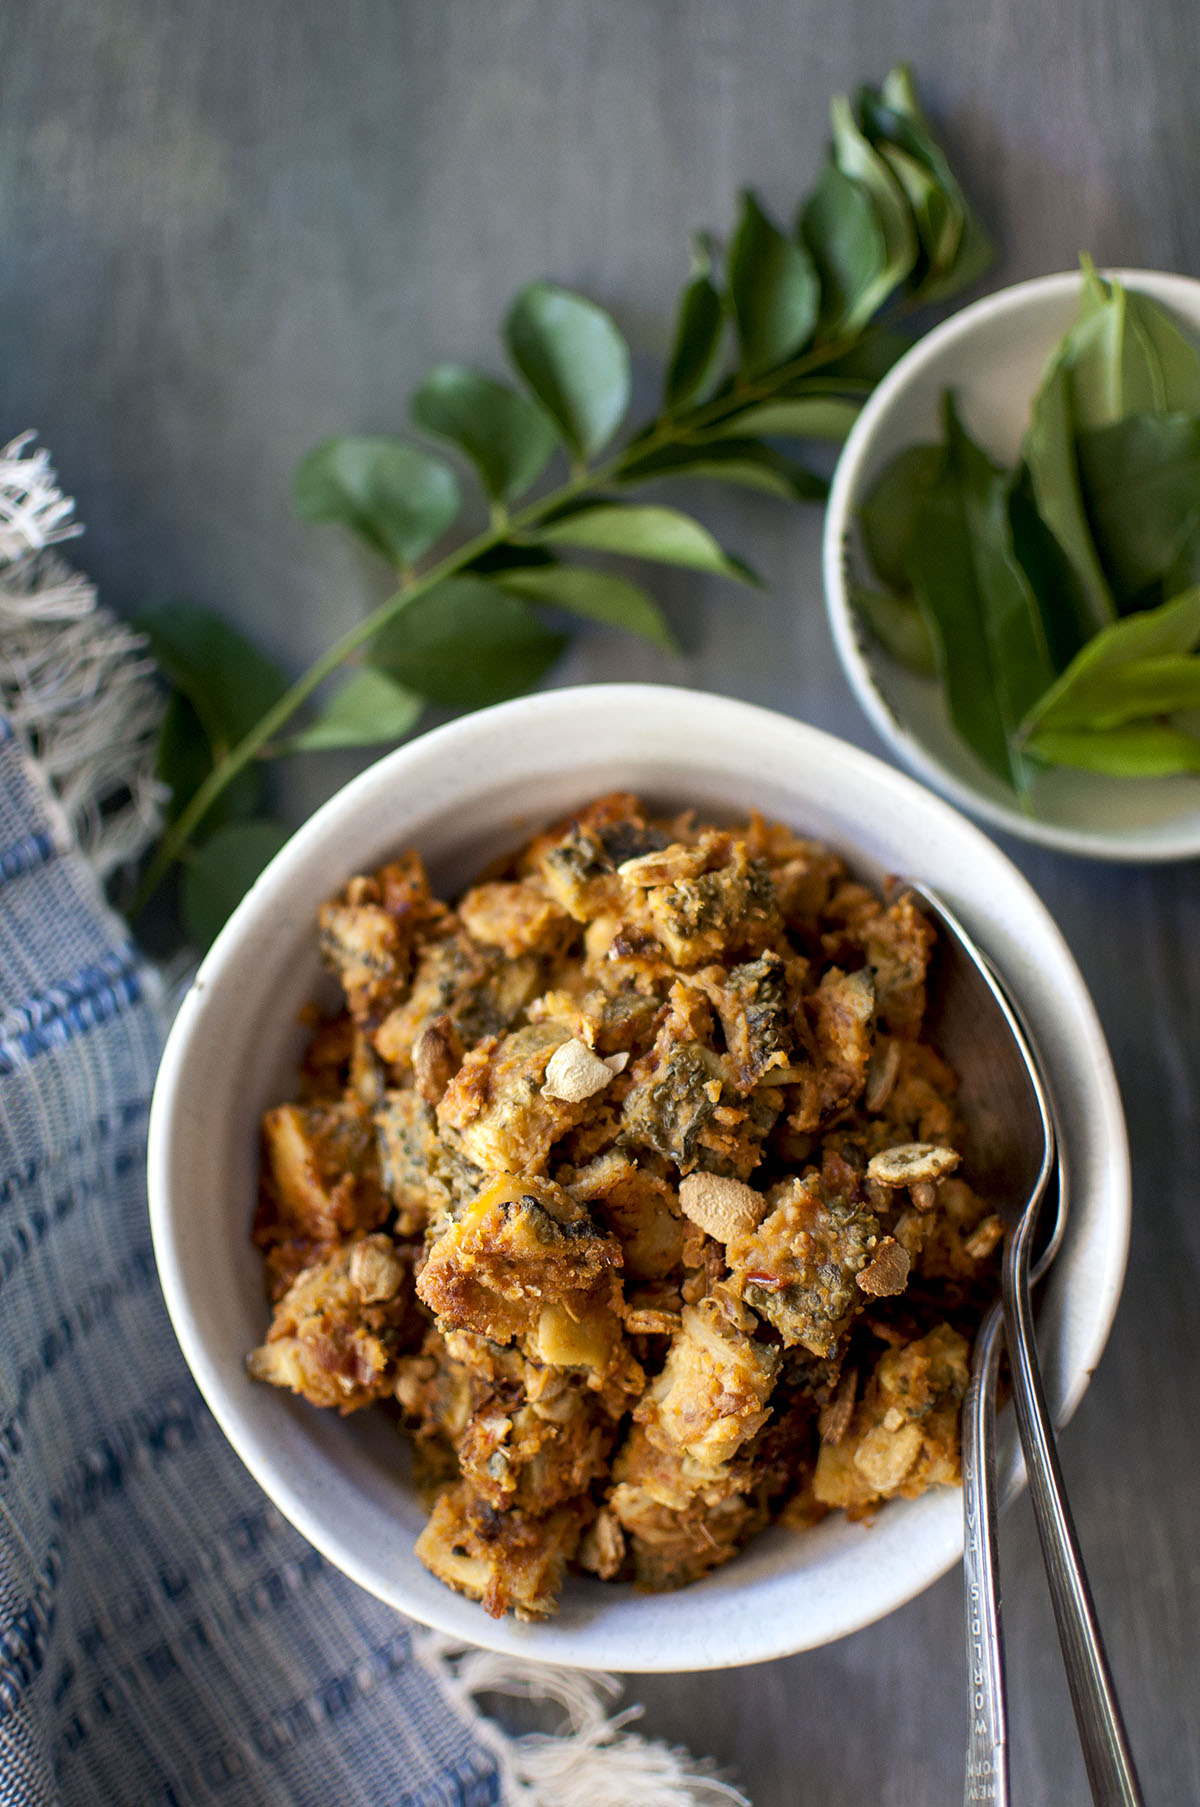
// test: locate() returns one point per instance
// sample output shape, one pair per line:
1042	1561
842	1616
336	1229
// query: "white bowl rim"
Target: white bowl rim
847	636
770	1637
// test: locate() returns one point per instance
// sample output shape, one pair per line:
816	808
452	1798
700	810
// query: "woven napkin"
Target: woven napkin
165	1636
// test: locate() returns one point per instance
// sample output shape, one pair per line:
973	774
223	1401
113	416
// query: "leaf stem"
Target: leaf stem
226	769
504	527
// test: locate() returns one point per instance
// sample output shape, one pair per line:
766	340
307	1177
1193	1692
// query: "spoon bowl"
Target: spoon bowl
1010	1136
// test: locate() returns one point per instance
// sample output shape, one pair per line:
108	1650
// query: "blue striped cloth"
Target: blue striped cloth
164	1636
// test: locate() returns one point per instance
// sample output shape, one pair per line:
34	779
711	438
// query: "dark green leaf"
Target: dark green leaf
743	461
1142	750
857	158
1112	369
1083	695
575	361
898	92
641	531
983	617
841	227
812	417
185	759
899	626
888	514
1184	569
774	290
229	683
1054	473
1063	608
1141	485
397	498
505	435
367	709
218	875
1176	358
938	221
697	336
894	118
900	134
868	362
466	642
595	595
1123	355
506	556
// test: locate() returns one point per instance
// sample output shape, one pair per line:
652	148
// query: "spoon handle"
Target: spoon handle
987	1762
1106	1752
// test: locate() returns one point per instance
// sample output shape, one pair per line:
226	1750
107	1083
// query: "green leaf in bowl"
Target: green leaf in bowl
1143	655
982	613
889	513
1141	750
1141	485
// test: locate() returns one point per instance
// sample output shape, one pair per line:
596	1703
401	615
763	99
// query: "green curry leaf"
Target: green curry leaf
397	498
641	530
774	290
987	632
506	436
575	361
466	642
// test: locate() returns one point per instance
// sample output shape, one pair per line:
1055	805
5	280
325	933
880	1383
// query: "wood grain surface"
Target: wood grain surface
229	230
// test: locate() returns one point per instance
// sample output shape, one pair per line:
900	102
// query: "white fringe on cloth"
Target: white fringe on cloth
76	684
75	681
592	1760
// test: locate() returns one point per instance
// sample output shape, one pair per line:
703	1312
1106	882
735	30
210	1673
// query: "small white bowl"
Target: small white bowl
463	794
991	355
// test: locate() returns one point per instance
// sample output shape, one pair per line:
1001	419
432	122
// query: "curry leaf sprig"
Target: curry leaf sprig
1059	601
776	342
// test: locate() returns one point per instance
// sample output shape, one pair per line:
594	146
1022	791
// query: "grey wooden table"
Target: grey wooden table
226	231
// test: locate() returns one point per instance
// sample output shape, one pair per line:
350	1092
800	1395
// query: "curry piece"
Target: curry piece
680	1498
632	1183
477	990
799	1268
525	1258
679	1103
498	1109
518	918
838	1027
751	1001
903	1436
340	1326
368	935
320	1184
509	1561
577	863
525	1433
727	906
410	1160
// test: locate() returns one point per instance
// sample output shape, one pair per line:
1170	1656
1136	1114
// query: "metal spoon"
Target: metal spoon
1015	1152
